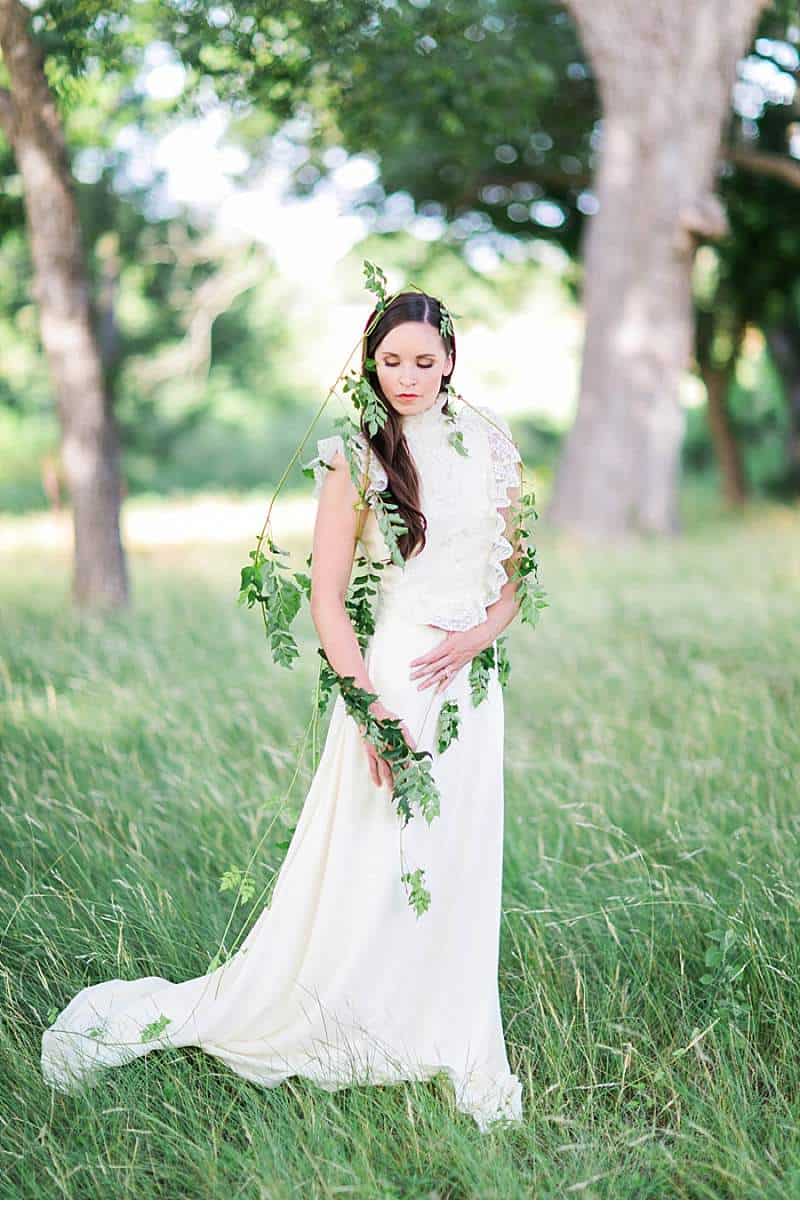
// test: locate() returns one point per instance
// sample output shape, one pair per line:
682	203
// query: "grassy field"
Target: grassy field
650	946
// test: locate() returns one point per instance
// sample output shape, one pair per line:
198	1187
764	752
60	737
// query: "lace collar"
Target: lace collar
429	419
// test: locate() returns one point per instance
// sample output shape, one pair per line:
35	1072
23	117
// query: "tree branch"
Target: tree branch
768	164
8	119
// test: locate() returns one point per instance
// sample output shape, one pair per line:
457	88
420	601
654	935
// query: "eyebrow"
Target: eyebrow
427	354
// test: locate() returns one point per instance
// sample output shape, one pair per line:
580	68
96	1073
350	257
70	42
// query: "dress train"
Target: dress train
339	980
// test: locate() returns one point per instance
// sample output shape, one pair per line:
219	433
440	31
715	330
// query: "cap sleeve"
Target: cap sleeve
327	447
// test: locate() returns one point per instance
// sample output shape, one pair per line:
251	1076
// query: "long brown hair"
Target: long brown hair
389	442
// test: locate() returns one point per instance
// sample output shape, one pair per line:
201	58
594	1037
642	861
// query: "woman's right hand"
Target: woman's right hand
379	768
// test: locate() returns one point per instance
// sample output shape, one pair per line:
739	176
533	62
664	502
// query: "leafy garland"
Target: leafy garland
267	581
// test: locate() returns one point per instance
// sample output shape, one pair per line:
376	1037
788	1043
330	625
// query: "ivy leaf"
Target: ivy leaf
235	879
155	1029
456	441
369	405
479	670
391	525
375	281
447	725
503	660
445	322
419	897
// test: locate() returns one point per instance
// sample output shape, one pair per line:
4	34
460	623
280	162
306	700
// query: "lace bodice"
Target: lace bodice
459	572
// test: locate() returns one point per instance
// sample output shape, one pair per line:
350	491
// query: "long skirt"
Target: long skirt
339	979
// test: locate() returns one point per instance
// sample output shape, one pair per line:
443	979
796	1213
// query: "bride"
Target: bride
344	978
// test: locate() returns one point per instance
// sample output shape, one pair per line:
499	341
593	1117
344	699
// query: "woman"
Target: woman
338	980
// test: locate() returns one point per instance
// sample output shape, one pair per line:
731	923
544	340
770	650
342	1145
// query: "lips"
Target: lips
407	395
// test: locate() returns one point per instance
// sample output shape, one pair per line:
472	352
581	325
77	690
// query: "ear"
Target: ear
448	366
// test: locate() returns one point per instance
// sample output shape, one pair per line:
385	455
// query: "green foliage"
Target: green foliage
414	789
234	878
455	436
358	603
502	660
391	525
280	598
153	1030
479	670
418	896
532	598
375	281
726	962
367	402
493	99
447	725
445	323
182	423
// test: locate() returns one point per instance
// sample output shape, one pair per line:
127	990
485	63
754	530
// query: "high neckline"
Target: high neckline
414	422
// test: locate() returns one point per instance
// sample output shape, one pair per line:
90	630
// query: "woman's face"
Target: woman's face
410	362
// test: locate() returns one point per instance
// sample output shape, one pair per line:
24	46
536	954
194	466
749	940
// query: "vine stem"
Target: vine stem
332	391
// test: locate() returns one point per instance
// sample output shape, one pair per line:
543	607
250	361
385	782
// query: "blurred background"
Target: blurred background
233	165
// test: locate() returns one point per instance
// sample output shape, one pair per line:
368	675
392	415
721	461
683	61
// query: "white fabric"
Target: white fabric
459	573
338	979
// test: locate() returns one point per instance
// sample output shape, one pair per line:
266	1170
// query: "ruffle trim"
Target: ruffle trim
468	618
489	1099
505	462
327	448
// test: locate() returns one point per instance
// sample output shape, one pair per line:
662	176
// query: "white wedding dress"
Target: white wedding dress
339	980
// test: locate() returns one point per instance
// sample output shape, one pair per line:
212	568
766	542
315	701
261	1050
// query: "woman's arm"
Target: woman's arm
459	648
331	565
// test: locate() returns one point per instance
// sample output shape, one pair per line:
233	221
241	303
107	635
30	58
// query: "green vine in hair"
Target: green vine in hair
375	281
445	323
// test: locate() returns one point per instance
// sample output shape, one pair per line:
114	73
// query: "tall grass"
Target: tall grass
650	957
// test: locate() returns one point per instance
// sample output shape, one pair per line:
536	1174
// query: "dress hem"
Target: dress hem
490	1099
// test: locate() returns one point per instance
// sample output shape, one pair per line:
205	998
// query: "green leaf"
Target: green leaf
155	1029
447	725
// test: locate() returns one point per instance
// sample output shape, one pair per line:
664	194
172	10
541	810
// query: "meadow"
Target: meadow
650	949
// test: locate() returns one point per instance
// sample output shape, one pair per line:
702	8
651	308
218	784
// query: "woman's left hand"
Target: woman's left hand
442	663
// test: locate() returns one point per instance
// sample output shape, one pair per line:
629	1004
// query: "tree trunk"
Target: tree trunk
664	73
89	440
729	458
719	328
783	342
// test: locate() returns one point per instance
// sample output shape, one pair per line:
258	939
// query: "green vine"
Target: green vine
447	725
268	583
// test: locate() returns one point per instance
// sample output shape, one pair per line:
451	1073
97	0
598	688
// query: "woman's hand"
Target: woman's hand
441	664
379	768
